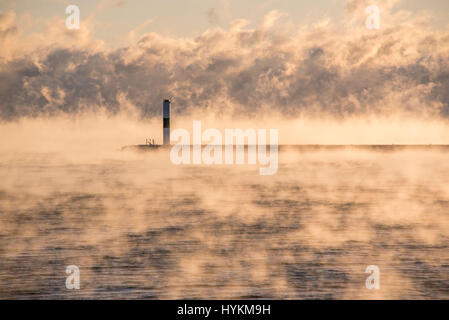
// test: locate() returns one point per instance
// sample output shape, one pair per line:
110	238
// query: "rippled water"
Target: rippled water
139	227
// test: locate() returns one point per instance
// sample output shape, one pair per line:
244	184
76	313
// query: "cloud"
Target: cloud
131	36
320	70
352	6
8	30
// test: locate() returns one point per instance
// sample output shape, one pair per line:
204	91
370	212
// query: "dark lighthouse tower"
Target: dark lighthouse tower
166	122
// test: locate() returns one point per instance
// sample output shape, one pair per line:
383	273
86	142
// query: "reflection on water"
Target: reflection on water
139	227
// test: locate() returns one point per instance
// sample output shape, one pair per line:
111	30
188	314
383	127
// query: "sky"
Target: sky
181	18
314	59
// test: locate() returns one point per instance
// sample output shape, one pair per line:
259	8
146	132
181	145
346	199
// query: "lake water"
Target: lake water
138	226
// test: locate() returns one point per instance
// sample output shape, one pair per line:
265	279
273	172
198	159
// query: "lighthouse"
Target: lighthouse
166	113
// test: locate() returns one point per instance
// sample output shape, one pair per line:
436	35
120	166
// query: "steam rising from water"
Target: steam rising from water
138	226
321	69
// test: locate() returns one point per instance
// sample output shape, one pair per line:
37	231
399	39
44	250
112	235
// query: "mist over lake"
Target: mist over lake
138	226
119	179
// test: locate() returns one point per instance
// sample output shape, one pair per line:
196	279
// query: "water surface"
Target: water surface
139	227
